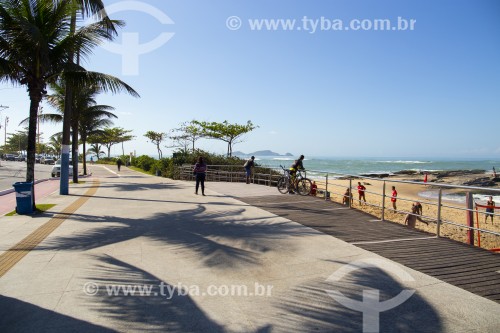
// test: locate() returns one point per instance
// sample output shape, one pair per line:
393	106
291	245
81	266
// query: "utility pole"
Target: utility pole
2	107
5	137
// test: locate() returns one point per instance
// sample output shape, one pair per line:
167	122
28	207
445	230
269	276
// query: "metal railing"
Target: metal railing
329	184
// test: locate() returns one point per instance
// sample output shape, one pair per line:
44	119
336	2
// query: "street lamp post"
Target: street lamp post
3	107
5	135
38	125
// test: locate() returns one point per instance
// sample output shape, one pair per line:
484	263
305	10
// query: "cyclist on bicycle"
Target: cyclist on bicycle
297	165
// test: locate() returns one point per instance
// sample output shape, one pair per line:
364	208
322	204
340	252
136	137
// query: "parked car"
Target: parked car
21	158
48	160
38	158
56	169
9	157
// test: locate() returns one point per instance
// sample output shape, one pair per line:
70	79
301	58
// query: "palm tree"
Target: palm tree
92	121
87	117
55	143
86	8
35	46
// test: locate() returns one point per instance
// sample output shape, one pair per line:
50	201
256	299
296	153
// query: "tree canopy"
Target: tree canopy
230	133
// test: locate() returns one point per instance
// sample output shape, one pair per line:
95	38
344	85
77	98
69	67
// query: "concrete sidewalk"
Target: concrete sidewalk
145	253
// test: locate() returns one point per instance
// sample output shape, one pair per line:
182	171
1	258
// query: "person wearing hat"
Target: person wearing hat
249	164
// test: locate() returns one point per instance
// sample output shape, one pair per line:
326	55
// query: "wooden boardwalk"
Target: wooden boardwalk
470	268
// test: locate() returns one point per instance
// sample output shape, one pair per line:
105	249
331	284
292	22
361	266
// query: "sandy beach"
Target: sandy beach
452	211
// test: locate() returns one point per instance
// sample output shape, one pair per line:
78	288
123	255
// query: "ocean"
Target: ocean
317	166
357	166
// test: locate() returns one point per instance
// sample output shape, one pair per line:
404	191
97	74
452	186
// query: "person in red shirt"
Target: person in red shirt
314	188
361	192
394	197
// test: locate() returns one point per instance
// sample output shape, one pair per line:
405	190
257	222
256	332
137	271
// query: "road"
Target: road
11	172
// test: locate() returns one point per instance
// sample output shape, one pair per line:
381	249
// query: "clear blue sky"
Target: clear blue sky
430	92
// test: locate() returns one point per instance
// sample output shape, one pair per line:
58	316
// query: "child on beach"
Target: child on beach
411	219
347	197
490	209
394	197
361	192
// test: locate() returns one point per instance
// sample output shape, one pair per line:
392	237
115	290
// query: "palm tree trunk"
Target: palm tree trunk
84	147
74	145
35	98
68	105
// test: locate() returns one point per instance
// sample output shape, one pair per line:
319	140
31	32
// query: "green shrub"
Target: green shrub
144	162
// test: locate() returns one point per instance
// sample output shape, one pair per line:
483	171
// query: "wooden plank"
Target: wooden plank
464	266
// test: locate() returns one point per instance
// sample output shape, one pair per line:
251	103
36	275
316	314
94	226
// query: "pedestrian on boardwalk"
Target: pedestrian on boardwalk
490	209
119	164
361	192
200	170
249	164
91	160
394	197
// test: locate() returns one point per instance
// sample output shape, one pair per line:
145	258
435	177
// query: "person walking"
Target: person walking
249	164
394	197
119	164
490	209
200	170
361	192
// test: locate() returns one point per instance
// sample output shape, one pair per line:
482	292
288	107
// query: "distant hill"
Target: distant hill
260	153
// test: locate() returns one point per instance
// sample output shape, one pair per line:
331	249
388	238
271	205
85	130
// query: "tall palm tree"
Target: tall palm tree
88	117
92	121
86	8
35	47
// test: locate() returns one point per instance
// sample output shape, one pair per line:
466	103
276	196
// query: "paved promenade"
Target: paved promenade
134	253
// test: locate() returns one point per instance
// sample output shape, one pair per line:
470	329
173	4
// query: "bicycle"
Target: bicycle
301	184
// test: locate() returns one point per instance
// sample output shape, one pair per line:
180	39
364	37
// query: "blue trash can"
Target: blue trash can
24	197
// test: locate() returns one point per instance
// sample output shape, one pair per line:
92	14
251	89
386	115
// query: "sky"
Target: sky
430	90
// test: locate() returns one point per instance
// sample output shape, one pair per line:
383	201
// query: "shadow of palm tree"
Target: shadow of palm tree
20	316
222	238
326	314
163	308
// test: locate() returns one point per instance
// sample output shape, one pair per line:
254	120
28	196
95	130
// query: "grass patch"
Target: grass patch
40	208
79	182
139	170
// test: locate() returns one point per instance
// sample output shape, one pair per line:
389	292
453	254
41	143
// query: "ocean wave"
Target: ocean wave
405	162
431	194
283	159
459	198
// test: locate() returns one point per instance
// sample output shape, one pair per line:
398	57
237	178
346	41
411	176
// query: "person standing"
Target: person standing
200	170
361	192
119	164
490	209
91	160
249	164
394	197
